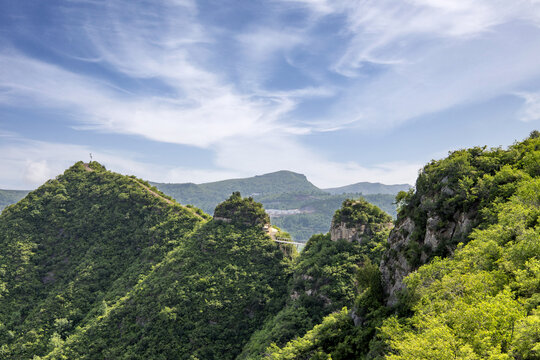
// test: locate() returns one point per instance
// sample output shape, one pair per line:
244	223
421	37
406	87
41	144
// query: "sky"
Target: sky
197	91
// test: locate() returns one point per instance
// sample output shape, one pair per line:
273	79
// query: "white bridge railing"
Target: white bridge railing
285	241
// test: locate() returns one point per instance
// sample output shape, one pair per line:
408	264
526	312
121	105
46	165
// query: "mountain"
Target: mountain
8	197
367	188
94	264
206	196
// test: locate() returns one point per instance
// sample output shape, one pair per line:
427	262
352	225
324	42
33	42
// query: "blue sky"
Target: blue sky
195	91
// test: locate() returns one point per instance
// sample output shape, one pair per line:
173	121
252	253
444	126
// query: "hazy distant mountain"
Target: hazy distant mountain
367	188
8	197
206	196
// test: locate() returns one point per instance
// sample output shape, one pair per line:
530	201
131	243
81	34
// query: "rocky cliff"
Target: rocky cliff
405	254
451	197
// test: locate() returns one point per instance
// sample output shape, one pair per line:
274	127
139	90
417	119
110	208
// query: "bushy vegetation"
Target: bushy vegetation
98	265
242	212
484	302
325	280
75	242
481	302
203	301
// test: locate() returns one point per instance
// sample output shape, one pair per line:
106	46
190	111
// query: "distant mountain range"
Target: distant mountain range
294	203
206	196
367	188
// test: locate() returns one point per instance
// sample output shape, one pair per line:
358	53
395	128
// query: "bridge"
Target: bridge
285	241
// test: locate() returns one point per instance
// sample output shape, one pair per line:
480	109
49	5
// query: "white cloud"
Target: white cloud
531	107
26	164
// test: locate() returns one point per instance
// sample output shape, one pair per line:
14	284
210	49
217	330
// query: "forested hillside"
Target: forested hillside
471	229
98	265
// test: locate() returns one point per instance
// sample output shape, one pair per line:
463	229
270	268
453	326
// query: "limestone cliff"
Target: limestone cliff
405	253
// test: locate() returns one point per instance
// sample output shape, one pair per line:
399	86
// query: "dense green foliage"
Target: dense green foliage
73	243
8	197
203	301
360	212
324	280
241	212
99	265
482	302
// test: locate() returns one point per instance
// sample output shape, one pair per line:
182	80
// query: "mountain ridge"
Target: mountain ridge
369	188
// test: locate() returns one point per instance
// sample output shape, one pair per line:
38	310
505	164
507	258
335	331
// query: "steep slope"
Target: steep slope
367	188
208	195
452	197
475	300
324	278
8	197
78	241
202	302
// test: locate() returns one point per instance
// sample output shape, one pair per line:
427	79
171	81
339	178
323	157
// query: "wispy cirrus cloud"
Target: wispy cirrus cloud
416	57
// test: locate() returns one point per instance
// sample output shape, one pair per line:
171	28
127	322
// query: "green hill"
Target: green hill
460	277
98	256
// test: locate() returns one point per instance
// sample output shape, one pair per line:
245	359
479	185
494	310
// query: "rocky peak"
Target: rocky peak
358	220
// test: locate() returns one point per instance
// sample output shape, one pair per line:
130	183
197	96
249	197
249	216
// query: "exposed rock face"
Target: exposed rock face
397	262
341	231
